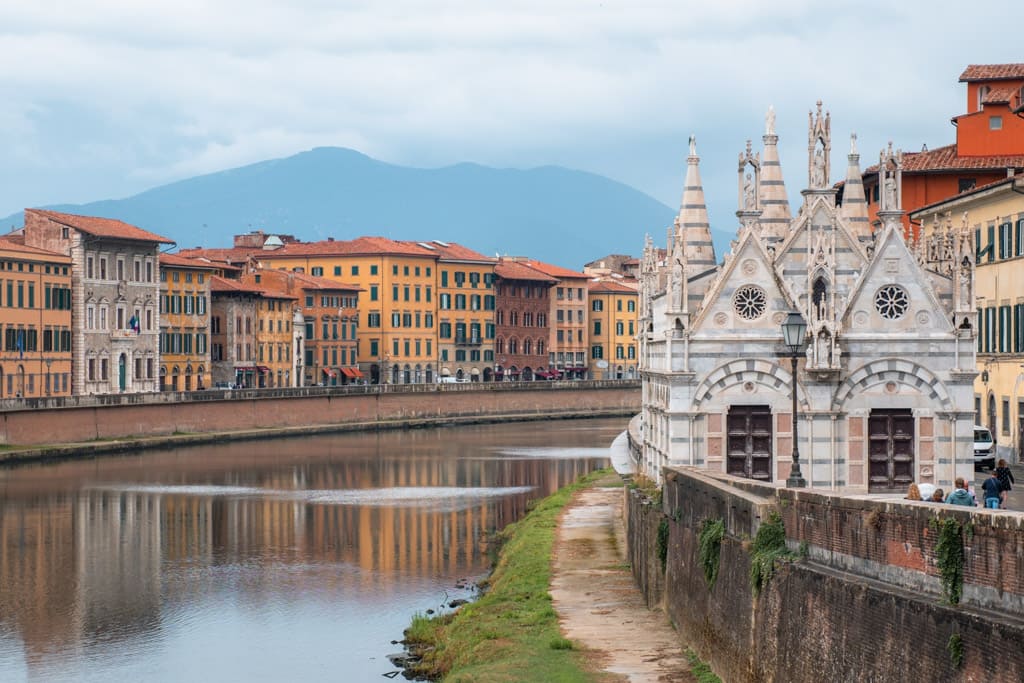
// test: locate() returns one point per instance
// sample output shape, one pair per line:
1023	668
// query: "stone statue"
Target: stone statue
818	174
693	146
677	282
890	192
769	121
965	283
823	344
748	193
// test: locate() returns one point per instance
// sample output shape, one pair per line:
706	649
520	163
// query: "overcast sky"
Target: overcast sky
106	98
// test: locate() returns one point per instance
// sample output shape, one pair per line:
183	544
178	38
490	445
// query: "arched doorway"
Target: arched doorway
407	375
487	374
175	375
122	372
188	377
395	373
430	375
20	390
374	374
527	374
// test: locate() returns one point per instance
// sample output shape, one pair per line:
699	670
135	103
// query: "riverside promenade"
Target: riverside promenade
597	600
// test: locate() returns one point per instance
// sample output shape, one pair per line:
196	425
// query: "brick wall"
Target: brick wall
864	605
79	419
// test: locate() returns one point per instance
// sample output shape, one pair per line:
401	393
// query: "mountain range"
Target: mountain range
554	214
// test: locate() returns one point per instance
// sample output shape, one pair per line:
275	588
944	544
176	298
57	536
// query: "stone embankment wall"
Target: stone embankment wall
861	596
89	418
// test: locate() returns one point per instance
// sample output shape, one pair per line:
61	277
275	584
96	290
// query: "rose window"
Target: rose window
750	302
891	302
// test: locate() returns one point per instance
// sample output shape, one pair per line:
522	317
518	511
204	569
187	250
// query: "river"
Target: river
295	559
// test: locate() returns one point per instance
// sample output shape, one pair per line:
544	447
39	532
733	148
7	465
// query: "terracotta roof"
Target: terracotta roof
451	251
9	244
227	255
314	282
184	262
610	287
1000	95
554	271
992	72
219	284
358	247
101	227
511	270
946	159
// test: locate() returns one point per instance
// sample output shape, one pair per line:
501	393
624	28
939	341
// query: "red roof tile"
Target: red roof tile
219	284
1000	95
9	244
511	270
184	262
610	287
305	281
451	251
992	72
101	227
358	247
554	271
946	159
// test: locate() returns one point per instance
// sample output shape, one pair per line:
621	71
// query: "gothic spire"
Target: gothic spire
694	228
775	216
855	206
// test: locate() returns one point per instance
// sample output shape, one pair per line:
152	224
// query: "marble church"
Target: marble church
884	379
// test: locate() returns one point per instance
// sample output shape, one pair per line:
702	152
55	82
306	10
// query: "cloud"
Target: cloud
106	97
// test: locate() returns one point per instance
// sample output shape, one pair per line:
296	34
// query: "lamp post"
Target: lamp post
793	331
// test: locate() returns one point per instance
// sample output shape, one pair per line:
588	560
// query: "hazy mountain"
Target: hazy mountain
550	213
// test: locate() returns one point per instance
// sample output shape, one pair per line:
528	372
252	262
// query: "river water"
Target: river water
295	559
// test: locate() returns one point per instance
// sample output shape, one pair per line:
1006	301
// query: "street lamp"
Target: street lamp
793	330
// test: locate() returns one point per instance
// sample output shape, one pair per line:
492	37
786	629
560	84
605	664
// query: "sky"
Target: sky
107	98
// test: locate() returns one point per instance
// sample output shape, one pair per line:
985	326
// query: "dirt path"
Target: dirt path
599	605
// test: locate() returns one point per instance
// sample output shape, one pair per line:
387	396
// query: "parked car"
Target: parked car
984	448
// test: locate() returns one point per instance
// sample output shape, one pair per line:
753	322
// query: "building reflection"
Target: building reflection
109	556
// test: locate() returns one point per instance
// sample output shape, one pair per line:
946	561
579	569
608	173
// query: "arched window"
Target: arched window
983	92
819	292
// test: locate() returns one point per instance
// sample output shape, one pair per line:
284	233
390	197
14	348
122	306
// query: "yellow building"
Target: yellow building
995	212
274	352
397	310
184	323
465	312
35	318
613	321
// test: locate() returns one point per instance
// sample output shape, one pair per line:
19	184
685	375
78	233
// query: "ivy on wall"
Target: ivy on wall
710	546
949	556
769	547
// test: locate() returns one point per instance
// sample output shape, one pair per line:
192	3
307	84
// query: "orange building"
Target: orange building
568	349
989	143
329	321
35	317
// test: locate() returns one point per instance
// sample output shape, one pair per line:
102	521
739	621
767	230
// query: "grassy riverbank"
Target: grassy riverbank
511	633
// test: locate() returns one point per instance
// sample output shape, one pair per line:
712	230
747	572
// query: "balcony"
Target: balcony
468	341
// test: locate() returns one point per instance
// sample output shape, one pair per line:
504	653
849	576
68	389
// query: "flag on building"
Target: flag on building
134	324
21	343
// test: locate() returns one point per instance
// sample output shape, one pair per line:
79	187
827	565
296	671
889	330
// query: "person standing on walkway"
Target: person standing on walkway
993	491
1006	481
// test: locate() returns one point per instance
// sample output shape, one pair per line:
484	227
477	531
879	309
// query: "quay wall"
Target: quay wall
860	597
93	418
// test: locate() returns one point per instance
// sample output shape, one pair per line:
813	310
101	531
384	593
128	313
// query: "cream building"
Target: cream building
884	380
115	292
995	212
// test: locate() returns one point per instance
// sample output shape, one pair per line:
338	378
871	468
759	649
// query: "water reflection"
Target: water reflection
280	559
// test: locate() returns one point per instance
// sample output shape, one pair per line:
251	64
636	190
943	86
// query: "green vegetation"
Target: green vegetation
955	646
710	546
949	555
663	542
512	628
769	547
701	671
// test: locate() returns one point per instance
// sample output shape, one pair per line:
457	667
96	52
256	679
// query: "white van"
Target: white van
448	379
984	448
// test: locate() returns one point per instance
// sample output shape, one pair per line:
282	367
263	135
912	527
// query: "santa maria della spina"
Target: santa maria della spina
884	379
